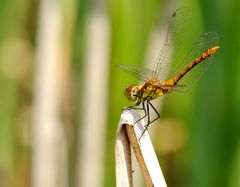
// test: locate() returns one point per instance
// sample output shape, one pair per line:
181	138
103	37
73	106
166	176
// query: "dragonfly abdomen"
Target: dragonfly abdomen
208	53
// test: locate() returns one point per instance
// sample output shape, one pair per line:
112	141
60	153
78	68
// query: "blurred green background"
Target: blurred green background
197	138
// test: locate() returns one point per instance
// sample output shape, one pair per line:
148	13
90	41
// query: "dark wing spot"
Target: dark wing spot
174	14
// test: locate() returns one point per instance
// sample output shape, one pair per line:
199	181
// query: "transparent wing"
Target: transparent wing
177	87
180	87
206	41
141	73
174	35
178	23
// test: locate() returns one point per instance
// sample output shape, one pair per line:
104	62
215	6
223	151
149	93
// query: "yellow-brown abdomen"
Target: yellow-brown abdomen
209	52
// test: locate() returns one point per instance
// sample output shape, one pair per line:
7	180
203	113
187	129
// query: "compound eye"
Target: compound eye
131	93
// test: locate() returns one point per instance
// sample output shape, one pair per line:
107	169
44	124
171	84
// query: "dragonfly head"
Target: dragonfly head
131	92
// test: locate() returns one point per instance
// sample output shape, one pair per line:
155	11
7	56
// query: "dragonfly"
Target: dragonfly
188	71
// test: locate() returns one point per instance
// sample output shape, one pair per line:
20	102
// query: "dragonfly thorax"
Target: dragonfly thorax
131	92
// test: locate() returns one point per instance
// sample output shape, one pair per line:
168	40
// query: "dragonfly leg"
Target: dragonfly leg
135	106
146	108
148	121
158	115
147	114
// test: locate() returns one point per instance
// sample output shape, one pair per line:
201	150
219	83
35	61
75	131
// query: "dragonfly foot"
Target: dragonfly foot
146	126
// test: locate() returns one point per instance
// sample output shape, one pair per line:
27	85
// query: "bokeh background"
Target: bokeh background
61	95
